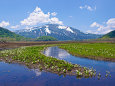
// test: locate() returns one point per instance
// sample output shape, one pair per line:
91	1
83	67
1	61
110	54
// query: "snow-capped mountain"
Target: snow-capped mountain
60	32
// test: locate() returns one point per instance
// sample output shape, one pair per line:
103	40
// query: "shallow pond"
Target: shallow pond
19	75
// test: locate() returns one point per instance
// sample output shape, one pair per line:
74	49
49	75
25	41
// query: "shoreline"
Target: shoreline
83	50
14	45
92	57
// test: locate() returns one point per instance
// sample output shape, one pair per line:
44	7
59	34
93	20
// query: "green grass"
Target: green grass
46	38
91	50
5	35
33	56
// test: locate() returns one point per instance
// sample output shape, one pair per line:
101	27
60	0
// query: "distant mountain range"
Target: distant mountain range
59	32
109	35
6	34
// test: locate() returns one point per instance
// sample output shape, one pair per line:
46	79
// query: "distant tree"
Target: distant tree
46	38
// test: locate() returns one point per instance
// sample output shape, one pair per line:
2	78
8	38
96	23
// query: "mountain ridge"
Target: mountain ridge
59	32
7	34
109	35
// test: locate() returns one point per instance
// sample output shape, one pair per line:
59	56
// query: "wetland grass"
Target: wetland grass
97	51
33	58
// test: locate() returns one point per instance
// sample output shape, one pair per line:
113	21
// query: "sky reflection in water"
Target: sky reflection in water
19	75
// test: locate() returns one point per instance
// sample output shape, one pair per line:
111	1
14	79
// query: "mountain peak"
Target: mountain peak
59	32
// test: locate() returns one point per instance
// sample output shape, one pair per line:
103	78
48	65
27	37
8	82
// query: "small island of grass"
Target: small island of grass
46	38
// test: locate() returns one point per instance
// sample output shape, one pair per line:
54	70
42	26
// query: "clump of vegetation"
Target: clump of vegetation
32	57
99	51
46	38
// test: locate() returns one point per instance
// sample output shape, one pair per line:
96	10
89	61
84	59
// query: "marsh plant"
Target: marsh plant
91	50
107	74
32	56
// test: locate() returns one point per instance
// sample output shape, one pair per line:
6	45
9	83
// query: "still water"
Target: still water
19	75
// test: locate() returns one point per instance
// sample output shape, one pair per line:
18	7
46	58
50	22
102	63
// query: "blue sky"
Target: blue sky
92	16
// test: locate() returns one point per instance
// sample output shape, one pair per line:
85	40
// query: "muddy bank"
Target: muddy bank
21	43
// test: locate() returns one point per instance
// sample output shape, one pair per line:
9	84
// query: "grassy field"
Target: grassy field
99	51
32	57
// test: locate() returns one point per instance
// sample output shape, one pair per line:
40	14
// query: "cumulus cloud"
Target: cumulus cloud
54	14
55	20
15	27
87	7
4	24
111	23
95	24
39	17
103	29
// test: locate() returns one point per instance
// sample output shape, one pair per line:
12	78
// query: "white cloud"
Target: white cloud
4	24
55	20
111	23
95	24
54	14
39	17
103	29
87	7
15	27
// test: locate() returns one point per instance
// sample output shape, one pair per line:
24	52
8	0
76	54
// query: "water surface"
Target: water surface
19	75
100	66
